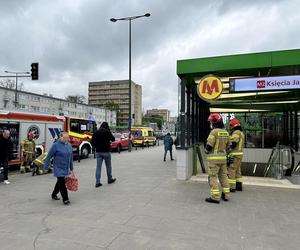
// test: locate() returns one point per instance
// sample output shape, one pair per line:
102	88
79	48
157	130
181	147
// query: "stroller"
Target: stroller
38	165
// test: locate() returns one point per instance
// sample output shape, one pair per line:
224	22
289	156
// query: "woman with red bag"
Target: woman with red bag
62	154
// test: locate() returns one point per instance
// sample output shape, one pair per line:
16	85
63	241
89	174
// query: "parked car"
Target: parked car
120	143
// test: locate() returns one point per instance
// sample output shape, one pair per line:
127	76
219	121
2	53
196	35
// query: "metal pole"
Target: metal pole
129	120
16	92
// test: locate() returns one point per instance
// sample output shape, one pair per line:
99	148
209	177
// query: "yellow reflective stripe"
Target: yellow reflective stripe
241	142
39	161
216	146
239	179
216	157
215	191
237	153
226	190
232	181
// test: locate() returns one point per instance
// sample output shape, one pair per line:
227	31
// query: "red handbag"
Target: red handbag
72	182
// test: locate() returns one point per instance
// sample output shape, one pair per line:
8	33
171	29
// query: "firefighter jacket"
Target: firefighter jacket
238	137
219	140
28	147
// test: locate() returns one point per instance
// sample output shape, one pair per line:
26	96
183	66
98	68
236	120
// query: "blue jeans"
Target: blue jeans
106	156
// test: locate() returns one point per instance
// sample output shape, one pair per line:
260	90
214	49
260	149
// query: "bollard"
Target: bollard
78	154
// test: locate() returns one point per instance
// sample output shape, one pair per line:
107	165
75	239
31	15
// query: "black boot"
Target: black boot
232	190
239	186
210	200
224	197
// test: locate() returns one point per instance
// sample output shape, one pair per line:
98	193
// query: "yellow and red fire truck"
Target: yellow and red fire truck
46	129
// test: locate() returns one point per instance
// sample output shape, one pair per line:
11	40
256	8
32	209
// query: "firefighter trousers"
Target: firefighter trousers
234	172
25	167
218	170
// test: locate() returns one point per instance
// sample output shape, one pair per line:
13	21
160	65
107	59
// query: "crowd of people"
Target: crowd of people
224	154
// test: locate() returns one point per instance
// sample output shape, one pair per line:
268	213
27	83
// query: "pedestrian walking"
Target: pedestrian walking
217	146
62	154
168	144
5	153
101	142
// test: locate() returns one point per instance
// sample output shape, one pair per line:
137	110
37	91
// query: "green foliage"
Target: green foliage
153	119
76	98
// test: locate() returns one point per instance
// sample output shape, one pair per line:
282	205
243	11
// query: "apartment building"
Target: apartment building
165	113
117	92
47	104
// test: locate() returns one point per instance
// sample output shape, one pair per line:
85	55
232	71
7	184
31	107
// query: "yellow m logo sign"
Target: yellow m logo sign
210	88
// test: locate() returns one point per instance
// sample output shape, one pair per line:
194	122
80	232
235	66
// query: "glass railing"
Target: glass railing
279	162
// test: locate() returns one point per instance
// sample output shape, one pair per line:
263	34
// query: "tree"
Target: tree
11	84
113	106
155	119
76	98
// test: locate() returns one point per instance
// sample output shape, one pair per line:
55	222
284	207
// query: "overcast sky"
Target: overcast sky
75	43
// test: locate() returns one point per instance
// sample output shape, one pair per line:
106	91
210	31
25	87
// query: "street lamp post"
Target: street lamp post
16	89
129	81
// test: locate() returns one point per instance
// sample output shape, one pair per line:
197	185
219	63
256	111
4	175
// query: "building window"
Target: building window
23	97
34	108
23	107
35	98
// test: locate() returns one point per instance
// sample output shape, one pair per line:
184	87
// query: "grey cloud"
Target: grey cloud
75	42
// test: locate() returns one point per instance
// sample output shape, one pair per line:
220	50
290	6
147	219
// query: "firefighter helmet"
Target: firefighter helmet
30	135
234	123
215	118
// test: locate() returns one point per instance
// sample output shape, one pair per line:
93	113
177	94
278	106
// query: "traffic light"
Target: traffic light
34	71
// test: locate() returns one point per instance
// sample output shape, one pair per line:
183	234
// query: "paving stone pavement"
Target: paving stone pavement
147	208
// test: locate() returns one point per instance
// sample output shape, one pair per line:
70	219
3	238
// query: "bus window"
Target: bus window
82	126
74	126
91	127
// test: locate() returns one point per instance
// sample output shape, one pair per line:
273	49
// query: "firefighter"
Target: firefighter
237	140
38	165
218	143
28	153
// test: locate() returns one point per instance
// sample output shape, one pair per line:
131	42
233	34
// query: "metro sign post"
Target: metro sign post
210	88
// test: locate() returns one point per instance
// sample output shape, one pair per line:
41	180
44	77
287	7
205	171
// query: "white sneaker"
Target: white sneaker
6	182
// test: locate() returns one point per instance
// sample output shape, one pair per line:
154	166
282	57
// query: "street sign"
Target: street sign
274	83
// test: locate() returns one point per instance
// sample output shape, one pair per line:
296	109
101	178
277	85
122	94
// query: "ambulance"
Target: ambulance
143	136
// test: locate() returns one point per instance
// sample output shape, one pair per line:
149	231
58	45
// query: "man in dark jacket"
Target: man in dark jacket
101	141
5	150
168	142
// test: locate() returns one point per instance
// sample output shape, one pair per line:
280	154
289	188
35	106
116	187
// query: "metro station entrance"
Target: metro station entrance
260	89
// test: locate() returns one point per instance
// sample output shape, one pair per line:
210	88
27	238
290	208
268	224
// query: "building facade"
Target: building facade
165	113
47	104
117	93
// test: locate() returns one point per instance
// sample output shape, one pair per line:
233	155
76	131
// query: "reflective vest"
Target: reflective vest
219	140
238	137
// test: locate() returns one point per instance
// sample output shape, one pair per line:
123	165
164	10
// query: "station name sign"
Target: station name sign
265	83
